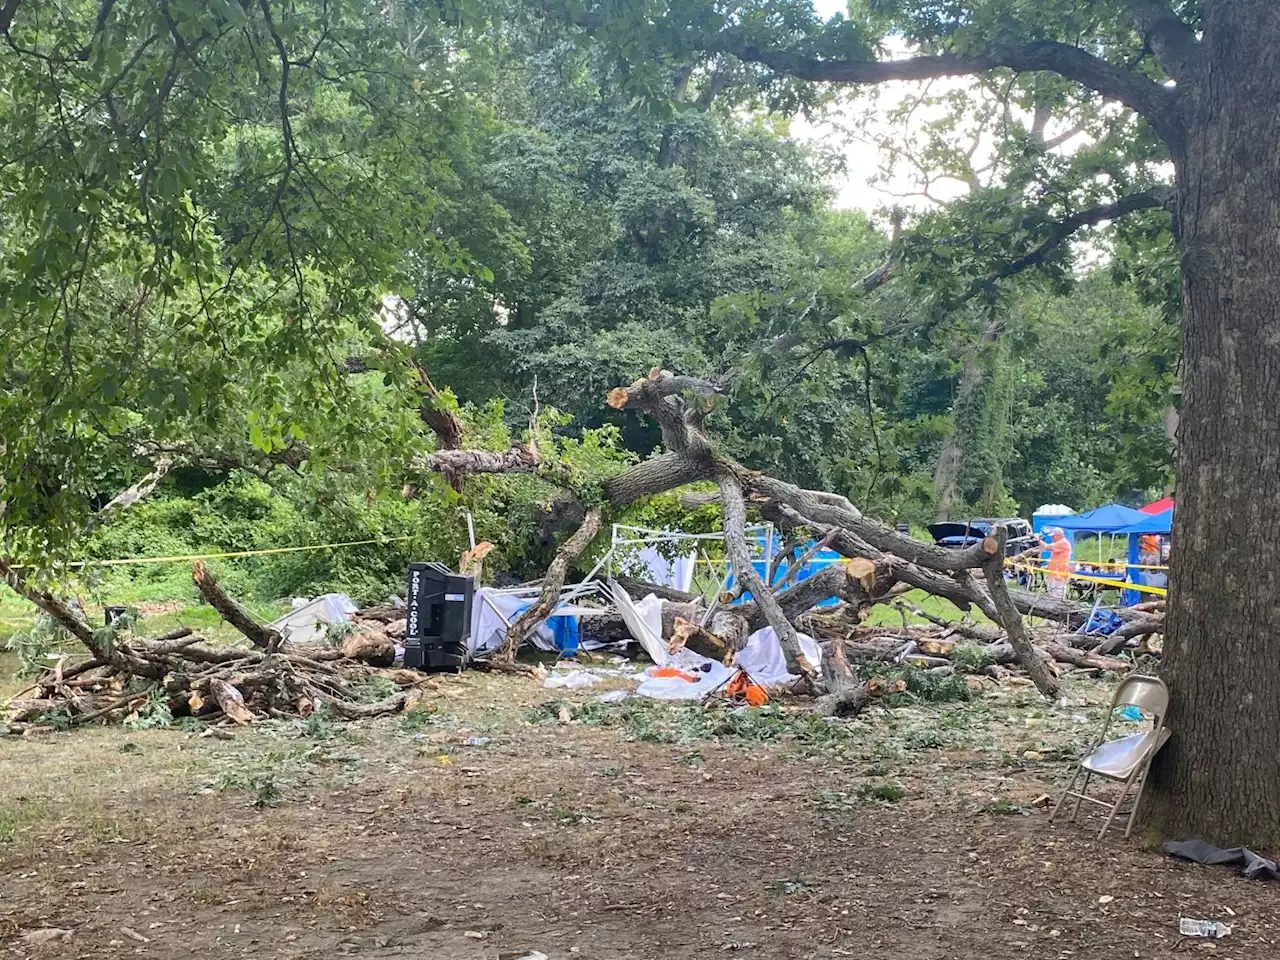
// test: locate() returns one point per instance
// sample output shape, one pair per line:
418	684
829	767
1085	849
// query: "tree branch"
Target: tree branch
735	546
68	618
552	583
1064	229
1155	103
1028	656
459	462
1172	41
127	498
264	638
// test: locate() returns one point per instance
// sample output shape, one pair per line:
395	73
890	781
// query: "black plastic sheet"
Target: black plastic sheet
1251	864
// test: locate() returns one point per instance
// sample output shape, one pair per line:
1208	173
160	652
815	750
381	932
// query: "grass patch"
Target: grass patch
883	615
927	738
655	722
264	789
17	815
839	801
418	718
1001	807
882	792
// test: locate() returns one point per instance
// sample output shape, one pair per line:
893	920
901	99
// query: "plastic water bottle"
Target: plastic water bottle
1203	928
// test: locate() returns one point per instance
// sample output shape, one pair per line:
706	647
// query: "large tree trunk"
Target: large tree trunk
1219	776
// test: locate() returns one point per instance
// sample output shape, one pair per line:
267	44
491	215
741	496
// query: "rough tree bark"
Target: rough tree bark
735	545
970	391
1217	777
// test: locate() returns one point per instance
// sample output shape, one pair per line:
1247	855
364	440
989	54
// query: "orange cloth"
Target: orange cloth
672	672
741	686
1150	545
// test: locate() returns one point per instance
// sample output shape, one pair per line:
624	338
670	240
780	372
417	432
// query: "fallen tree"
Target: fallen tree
972	578
191	677
183	674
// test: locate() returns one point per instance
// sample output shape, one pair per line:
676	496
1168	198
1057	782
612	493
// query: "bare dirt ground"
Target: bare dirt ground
631	831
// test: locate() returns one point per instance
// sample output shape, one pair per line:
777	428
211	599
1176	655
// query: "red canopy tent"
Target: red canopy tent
1160	506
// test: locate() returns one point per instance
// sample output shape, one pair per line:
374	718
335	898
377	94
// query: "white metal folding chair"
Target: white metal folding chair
1127	759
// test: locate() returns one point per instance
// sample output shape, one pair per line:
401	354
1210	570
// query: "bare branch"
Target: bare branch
264	638
70	621
735	545
460	462
1011	619
127	498
558	570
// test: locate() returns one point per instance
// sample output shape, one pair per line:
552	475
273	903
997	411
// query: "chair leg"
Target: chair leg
1065	793
1137	799
1080	796
1124	791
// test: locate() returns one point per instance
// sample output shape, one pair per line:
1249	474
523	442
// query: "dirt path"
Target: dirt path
580	840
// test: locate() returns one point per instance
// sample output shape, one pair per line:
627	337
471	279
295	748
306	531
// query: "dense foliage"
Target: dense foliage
207	208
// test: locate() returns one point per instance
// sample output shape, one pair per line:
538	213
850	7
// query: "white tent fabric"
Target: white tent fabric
666	573
306	623
762	658
488	628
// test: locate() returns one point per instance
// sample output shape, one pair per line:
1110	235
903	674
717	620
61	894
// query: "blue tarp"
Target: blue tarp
1160	523
819	561
1109	519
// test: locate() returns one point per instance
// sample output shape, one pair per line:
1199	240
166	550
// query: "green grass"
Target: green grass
883	615
1000	808
16	815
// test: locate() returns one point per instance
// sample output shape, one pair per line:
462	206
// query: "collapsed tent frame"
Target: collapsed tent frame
622	538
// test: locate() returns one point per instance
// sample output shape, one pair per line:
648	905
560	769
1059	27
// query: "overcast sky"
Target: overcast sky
863	159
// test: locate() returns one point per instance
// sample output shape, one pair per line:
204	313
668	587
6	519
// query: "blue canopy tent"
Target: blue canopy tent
1159	524
1109	519
1112	518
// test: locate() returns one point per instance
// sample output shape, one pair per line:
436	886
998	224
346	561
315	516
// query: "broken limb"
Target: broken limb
127	498
264	638
67	618
1011	619
552	583
735	545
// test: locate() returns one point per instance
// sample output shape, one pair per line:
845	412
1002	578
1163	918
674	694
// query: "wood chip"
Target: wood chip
133	934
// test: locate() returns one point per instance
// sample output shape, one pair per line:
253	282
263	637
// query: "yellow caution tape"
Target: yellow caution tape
1118	584
1119	565
188	557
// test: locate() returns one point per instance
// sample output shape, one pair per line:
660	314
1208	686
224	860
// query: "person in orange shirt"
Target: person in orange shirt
1058	570
1149	549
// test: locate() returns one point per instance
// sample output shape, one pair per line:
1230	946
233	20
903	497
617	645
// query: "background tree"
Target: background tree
1191	85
